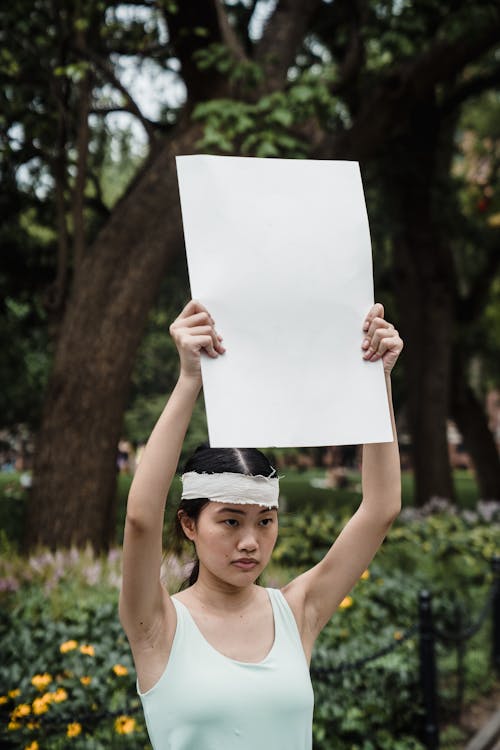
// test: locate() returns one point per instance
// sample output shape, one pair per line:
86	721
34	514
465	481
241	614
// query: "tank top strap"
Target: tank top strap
185	628
285	619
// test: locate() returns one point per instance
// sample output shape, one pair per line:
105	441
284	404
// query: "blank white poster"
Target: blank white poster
279	252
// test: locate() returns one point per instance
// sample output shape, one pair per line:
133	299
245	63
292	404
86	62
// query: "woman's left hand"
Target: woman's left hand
381	340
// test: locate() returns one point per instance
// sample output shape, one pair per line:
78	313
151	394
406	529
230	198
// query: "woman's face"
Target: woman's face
234	542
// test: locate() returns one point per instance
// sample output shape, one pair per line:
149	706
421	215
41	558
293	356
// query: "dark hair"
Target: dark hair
249	461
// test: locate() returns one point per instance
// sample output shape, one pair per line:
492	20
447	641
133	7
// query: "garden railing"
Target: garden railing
428	635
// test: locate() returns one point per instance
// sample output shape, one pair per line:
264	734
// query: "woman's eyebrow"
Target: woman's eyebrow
242	512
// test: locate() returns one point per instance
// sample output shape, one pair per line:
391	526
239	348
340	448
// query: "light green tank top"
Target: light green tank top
207	701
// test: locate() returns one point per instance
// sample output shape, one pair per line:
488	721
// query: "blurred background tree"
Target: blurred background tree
92	239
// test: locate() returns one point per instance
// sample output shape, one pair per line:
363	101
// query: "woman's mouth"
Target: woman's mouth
245	563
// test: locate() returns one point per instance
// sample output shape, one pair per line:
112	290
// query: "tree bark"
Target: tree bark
73	493
424	288
470	417
114	287
74	486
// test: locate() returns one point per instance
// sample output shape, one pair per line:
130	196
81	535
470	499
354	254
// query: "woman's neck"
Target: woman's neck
215	594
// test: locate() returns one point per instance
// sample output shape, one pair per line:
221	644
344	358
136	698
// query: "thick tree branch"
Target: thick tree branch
227	32
106	70
354	56
244	17
445	59
156	52
386	106
282	37
98	201
103	111
472	87
186	42
82	148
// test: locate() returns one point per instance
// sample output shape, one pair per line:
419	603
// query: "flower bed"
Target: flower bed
68	678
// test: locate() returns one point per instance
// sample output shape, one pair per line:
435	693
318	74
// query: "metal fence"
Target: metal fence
428	634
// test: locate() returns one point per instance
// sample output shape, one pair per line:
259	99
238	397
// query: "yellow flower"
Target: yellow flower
346	602
124	724
85	680
32	746
120	670
59	696
40	681
21	710
13	725
68	646
40	705
365	575
88	650
33	725
3	699
74	729
14	693
398	635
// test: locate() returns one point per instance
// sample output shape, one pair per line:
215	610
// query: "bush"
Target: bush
449	555
65	666
67	671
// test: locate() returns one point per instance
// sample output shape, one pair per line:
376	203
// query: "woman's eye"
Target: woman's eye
266	521
231	522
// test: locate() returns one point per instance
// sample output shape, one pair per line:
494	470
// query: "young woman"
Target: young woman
224	664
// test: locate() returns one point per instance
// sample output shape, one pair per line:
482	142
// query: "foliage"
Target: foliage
450	555
444	545
66	667
41	67
476	174
72	666
266	128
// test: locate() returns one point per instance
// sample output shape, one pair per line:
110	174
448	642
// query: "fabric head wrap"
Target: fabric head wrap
229	487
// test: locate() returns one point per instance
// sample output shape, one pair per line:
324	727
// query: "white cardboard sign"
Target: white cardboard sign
279	252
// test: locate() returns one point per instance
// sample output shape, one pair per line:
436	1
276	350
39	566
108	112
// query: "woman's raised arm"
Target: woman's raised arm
316	594
142	602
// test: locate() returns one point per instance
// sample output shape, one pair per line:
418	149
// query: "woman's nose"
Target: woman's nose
247	542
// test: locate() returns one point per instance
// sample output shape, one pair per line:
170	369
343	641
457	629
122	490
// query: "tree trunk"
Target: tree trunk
120	274
113	290
424	290
479	442
426	314
75	452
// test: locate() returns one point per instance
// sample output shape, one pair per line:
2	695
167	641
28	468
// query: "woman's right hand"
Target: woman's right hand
192	331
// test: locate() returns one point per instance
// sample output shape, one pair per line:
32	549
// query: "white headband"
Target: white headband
229	487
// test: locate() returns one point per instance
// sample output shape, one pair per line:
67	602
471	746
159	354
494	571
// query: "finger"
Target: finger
374	346
197	319
205	343
375	324
378	335
196	344
390	343
375	311
193	306
190	322
378	322
200	331
195	331
393	344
